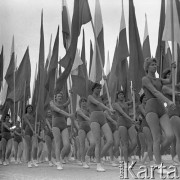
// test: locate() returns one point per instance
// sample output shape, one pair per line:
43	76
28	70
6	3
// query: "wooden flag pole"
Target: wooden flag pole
14	79
99	54
173	70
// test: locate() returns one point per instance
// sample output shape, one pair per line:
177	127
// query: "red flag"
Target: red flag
146	44
1	67
136	69
96	69
81	15
52	67
23	77
40	103
160	51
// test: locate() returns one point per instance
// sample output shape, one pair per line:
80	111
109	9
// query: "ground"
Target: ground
70	171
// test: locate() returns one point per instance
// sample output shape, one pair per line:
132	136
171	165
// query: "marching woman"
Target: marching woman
6	140
156	116
84	130
98	122
59	128
112	121
146	131
125	125
49	139
18	144
174	115
29	135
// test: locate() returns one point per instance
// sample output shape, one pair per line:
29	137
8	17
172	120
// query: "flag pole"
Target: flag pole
99	54
172	37
14	79
24	104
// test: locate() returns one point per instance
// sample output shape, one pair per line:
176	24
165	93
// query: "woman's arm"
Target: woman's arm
80	113
109	118
4	124
142	110
118	108
29	124
48	124
96	102
168	90
55	108
147	83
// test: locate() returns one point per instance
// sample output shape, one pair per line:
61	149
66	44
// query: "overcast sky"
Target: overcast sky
21	18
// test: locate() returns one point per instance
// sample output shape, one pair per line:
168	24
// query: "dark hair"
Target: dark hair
119	92
7	115
81	100
95	85
29	105
165	73
141	97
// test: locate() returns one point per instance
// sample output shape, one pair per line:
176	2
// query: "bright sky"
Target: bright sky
21	18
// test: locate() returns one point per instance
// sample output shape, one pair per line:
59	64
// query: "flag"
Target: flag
1	67
136	61
40	103
108	69
49	56
116	78
65	25
146	44
80	81
81	15
96	68
167	33
9	77
23	77
160	50
91	56
50	82
112	82
3	94
167	59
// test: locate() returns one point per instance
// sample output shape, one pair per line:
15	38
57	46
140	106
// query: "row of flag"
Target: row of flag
50	79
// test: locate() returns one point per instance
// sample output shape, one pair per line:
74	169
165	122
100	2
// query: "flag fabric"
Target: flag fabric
91	56
1	67
167	59
3	94
167	33
9	77
49	56
50	82
160	50
65	25
40	103
23	77
136	61
81	15
96	69
117	77
112	82
146	43
82	78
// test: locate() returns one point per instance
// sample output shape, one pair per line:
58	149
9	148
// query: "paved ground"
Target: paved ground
71	171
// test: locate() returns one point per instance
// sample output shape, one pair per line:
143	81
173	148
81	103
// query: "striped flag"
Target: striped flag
96	69
146	43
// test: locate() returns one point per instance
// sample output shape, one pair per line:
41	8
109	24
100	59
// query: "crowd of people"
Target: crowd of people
100	129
